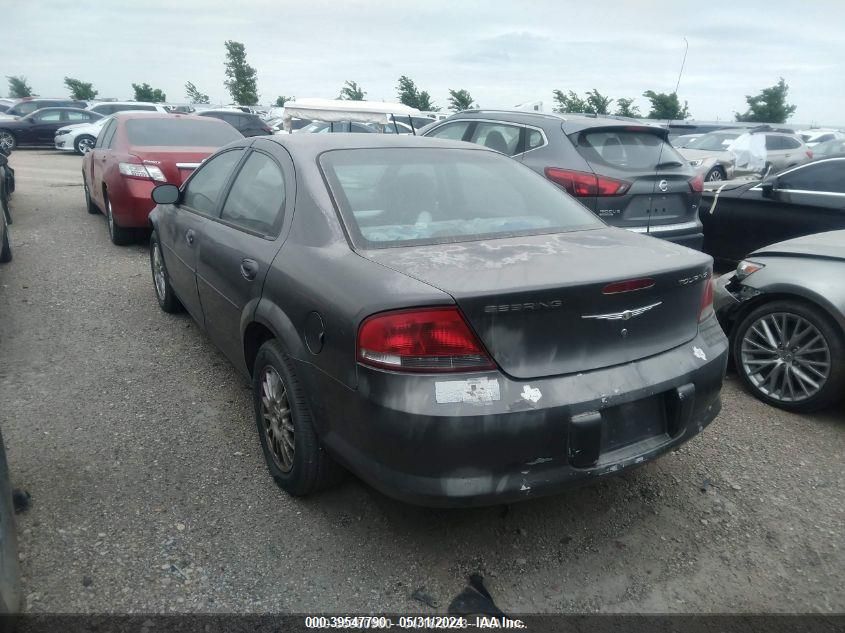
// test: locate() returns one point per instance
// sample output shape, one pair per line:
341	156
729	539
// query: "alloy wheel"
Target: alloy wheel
158	273
785	357
278	423
85	145
714	176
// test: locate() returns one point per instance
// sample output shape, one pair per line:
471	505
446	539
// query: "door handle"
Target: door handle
189	236
249	269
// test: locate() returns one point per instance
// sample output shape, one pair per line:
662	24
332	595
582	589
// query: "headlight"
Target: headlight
697	162
62	132
747	268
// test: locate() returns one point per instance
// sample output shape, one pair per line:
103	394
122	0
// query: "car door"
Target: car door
804	200
45	124
96	161
239	246
182	227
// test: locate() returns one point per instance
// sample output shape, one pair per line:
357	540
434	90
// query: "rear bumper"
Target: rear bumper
131	202
400	436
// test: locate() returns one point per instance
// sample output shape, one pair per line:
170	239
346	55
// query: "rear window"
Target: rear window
625	150
714	142
168	132
401	196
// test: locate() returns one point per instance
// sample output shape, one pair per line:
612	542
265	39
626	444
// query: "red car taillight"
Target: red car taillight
706	309
696	185
581	184
423	339
145	172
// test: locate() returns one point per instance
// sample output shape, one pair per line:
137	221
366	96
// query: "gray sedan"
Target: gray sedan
784	310
436	317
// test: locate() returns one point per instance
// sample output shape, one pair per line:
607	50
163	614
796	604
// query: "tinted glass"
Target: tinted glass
26	108
202	191
790	143
627	151
78	117
454	131
828	176
105	132
533	139
170	132
48	116
257	197
391	197
497	136
774	142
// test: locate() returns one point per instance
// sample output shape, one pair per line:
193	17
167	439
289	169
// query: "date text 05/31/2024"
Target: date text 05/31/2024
413	622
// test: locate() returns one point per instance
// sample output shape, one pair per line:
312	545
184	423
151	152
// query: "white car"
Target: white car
79	138
110	107
813	137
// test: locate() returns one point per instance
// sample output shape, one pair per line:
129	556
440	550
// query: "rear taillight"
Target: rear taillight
424	340
581	184
706	309
696	184
809	153
147	172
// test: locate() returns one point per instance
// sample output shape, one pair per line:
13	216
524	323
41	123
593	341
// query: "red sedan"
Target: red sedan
135	152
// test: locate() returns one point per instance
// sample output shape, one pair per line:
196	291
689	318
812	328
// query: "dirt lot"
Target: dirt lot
135	438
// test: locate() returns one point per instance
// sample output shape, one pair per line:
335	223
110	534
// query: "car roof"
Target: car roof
569	122
63	109
97	103
146	114
224	111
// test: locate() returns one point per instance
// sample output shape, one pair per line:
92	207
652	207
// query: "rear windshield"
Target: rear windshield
714	142
626	150
401	196
166	132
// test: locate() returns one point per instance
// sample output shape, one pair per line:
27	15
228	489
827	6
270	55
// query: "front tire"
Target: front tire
295	457
5	248
84	144
715	175
117	234
790	355
167	299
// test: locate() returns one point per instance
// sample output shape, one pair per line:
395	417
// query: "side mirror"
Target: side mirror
767	189
166	194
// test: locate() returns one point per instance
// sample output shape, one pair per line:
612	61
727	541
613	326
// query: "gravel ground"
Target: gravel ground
149	492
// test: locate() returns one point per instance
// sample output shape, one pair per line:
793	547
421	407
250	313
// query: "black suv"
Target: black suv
245	123
625	172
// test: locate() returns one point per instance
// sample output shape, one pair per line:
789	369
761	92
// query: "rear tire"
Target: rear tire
8	141
117	234
167	299
5	248
715	175
750	356
295	457
89	204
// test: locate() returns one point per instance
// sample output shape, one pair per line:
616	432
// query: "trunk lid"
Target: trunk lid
175	163
537	302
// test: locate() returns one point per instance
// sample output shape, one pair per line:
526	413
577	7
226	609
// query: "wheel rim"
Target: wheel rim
714	176
785	357
6	140
85	145
158	273
276	415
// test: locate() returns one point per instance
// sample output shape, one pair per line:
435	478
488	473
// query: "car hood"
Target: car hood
829	245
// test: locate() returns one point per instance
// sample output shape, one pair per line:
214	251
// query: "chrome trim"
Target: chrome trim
662	228
625	315
499	122
188	165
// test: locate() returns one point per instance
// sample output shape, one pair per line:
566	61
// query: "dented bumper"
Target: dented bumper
459	440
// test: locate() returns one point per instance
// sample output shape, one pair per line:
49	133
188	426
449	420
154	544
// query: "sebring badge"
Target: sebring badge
622	316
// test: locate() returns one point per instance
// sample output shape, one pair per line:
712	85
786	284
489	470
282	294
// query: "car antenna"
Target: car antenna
668	123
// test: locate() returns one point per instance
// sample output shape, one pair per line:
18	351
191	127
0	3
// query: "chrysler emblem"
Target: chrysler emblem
625	315
663	185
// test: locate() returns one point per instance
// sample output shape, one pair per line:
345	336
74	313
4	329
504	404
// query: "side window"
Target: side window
105	110
78	117
501	137
101	137
27	108
257	197
774	142
48	116
107	141
452	131
824	137
533	139
827	176
202	192
790	143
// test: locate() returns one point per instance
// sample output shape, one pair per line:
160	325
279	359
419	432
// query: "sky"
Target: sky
503	53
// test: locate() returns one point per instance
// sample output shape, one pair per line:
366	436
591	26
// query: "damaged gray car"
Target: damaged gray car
436	317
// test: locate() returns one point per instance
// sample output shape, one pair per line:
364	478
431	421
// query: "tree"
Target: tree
241	78
410	96
460	100
18	87
194	95
145	92
282	100
79	89
769	106
597	103
625	107
666	106
351	91
569	102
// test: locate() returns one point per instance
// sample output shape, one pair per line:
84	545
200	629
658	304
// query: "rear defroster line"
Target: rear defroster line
660	154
